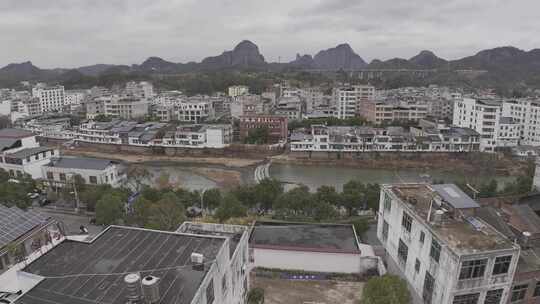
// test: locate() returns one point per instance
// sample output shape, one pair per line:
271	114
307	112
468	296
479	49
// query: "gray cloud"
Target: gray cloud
69	33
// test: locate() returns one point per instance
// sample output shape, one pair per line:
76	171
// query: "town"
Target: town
284	152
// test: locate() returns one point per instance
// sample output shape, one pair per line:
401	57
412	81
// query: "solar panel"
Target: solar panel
15	222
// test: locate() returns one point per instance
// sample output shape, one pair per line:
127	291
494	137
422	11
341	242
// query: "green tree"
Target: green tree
137	176
258	136
211	198
387	289
266	192
296	202
361	226
90	195
166	214
327	194
230	207
489	189
163	181
353	196
372	196
109	209
255	296
323	211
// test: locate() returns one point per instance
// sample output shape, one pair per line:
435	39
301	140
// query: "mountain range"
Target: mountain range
246	56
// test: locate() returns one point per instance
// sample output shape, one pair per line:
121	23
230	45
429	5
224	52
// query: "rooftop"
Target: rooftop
232	232
459	228
9	133
24	153
81	163
304	237
82	273
15	222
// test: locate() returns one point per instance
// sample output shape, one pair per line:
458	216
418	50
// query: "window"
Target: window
50	175
429	286
93	180
417	266
502	264
210	293
471	298
472	269
403	251
406	222
518	292
435	251
422	237
536	290
63	177
387	202
493	296
385	230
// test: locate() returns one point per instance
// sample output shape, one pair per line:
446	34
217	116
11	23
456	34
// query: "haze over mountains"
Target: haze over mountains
246	55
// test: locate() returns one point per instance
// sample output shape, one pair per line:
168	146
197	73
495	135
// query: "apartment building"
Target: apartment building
434	240
486	117
50	127
246	105
51	98
143	89
238	90
198	136
102	132
277	126
321	138
194	110
348	100
526	113
125	107
441	108
74	98
387	112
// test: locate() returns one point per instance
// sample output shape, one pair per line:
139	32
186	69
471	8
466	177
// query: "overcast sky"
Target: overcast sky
70	33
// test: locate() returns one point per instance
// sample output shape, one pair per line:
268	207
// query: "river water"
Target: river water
316	176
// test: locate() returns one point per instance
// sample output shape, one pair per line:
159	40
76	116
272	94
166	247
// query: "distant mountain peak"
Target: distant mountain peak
244	54
340	57
427	60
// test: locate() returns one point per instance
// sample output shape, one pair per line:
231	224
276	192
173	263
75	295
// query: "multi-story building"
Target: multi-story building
387	112
392	139
238	90
246	105
205	264
194	110
21	154
348	100
51	98
24	107
441	108
276	125
198	136
486	117
433	239
143	89
101	132
74	98
526	113
95	107
54	127
60	171
125	107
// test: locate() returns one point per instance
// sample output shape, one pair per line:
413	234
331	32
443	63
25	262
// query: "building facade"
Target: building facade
51	98
348	100
276	125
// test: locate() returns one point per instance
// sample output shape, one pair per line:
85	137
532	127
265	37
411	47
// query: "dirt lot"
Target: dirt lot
278	291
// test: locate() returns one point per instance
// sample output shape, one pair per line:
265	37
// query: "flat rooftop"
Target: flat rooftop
83	163
84	273
232	232
459	229
331	238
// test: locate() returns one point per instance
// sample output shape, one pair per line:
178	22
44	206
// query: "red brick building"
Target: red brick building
277	126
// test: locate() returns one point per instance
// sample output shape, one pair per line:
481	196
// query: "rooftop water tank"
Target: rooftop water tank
150	289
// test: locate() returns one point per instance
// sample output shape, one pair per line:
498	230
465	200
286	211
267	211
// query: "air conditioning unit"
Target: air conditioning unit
197	258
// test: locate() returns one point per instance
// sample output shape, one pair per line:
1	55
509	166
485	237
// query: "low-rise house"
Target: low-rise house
198	136
93	171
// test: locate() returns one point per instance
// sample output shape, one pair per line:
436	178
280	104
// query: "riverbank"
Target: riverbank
467	163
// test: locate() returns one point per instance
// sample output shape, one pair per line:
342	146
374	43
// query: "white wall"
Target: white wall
307	261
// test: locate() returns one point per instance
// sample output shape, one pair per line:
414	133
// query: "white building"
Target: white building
347	100
143	89
433	239
74	98
238	90
51	98
126	107
246	105
526	113
93	171
194	110
198	136
320	248
486	117
21	154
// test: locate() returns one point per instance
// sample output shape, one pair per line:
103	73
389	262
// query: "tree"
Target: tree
372	196
258	136
327	194
323	211
230	207
211	198
255	296
361	226
163	181
489	189
91	194
109	209
166	214
137	176
266	192
353	196
296	202
387	289
102	118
